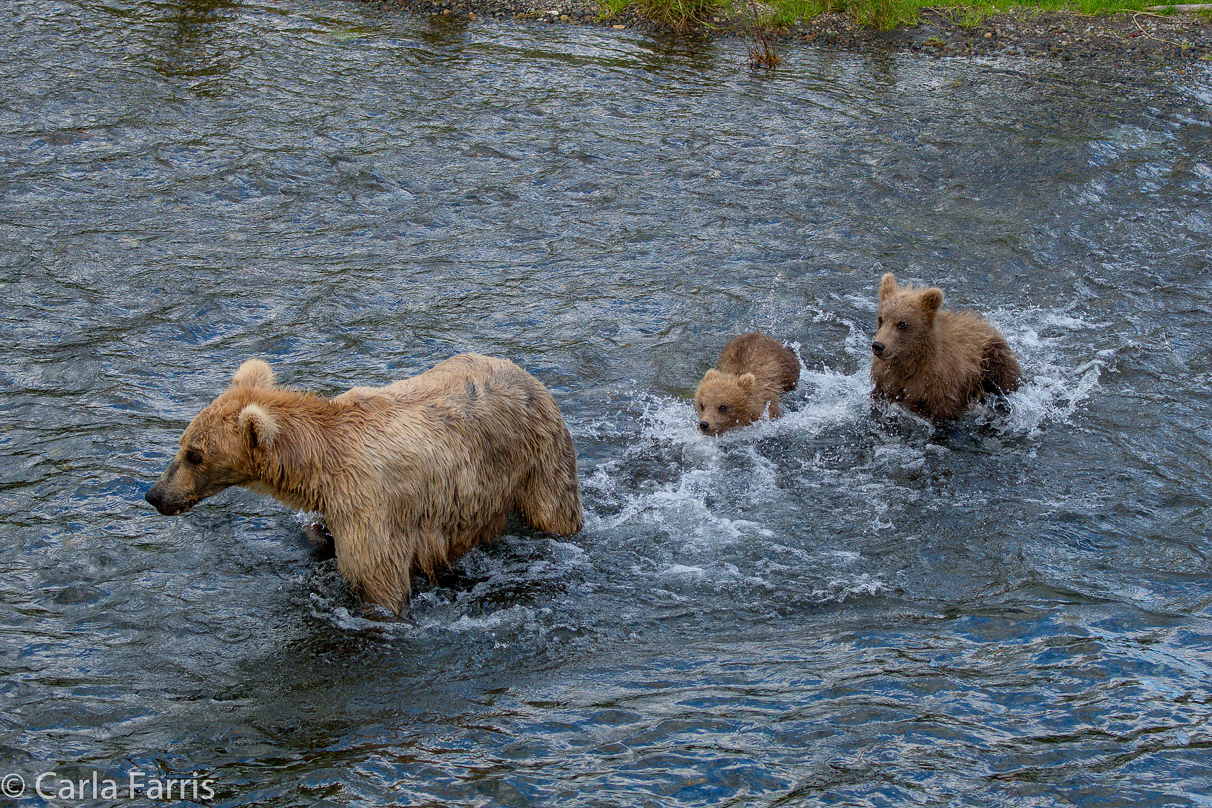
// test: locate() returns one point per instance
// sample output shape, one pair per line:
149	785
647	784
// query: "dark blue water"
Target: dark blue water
821	610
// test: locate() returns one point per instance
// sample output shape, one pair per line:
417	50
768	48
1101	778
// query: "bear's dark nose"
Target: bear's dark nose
877	348
704	426
155	498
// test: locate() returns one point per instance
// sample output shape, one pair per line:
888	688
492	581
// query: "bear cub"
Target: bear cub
932	361
747	382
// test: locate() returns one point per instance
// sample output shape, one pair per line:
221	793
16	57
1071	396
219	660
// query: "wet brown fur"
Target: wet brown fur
933	361
408	477
747	382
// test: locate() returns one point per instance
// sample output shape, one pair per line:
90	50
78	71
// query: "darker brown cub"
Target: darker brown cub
933	361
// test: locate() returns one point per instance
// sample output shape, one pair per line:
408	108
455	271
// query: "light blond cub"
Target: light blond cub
747	383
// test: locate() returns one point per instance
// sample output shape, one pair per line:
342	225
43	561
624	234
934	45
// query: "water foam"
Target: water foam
1060	376
502	591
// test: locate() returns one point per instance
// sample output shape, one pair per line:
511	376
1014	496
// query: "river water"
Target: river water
820	610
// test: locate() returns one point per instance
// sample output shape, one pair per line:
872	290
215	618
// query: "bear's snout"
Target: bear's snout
877	348
156	497
157	500
704	427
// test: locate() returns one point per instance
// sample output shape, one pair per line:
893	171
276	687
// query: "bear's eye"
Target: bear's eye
902	325
723	408
193	457
879	322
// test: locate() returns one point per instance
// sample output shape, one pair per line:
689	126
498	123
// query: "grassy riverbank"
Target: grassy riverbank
1123	36
1126	34
878	14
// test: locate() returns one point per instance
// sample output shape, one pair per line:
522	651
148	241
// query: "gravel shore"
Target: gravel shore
1137	40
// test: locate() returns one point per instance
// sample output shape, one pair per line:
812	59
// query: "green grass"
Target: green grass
881	14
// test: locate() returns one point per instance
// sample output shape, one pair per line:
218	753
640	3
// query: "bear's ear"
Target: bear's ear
711	374
888	286
259	427
254	372
746	381
932	300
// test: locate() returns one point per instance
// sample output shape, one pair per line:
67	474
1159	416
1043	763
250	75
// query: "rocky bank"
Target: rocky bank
1138	40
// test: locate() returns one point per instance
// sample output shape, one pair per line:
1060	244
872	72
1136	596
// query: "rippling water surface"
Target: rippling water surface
821	610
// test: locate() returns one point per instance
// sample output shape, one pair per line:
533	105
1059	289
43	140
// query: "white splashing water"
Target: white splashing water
713	493
1058	377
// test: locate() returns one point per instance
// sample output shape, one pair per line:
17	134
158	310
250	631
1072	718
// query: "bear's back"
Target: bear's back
773	363
462	379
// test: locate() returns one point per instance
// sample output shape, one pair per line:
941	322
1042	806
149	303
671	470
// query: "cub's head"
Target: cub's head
906	320
217	448
725	401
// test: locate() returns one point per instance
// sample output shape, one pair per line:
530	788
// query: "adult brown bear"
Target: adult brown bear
407	476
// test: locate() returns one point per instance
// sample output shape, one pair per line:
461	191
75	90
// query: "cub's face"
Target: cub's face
724	401
905	320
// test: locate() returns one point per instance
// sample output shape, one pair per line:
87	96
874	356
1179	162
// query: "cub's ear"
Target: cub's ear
254	372
746	381
932	300
888	286
711	375
259	427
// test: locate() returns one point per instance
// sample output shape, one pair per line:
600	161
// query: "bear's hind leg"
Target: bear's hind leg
1000	370
550	498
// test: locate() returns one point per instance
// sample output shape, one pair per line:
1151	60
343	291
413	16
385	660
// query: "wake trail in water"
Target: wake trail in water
727	508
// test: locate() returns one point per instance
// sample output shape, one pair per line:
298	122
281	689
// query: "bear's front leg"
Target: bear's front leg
383	598
376	566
